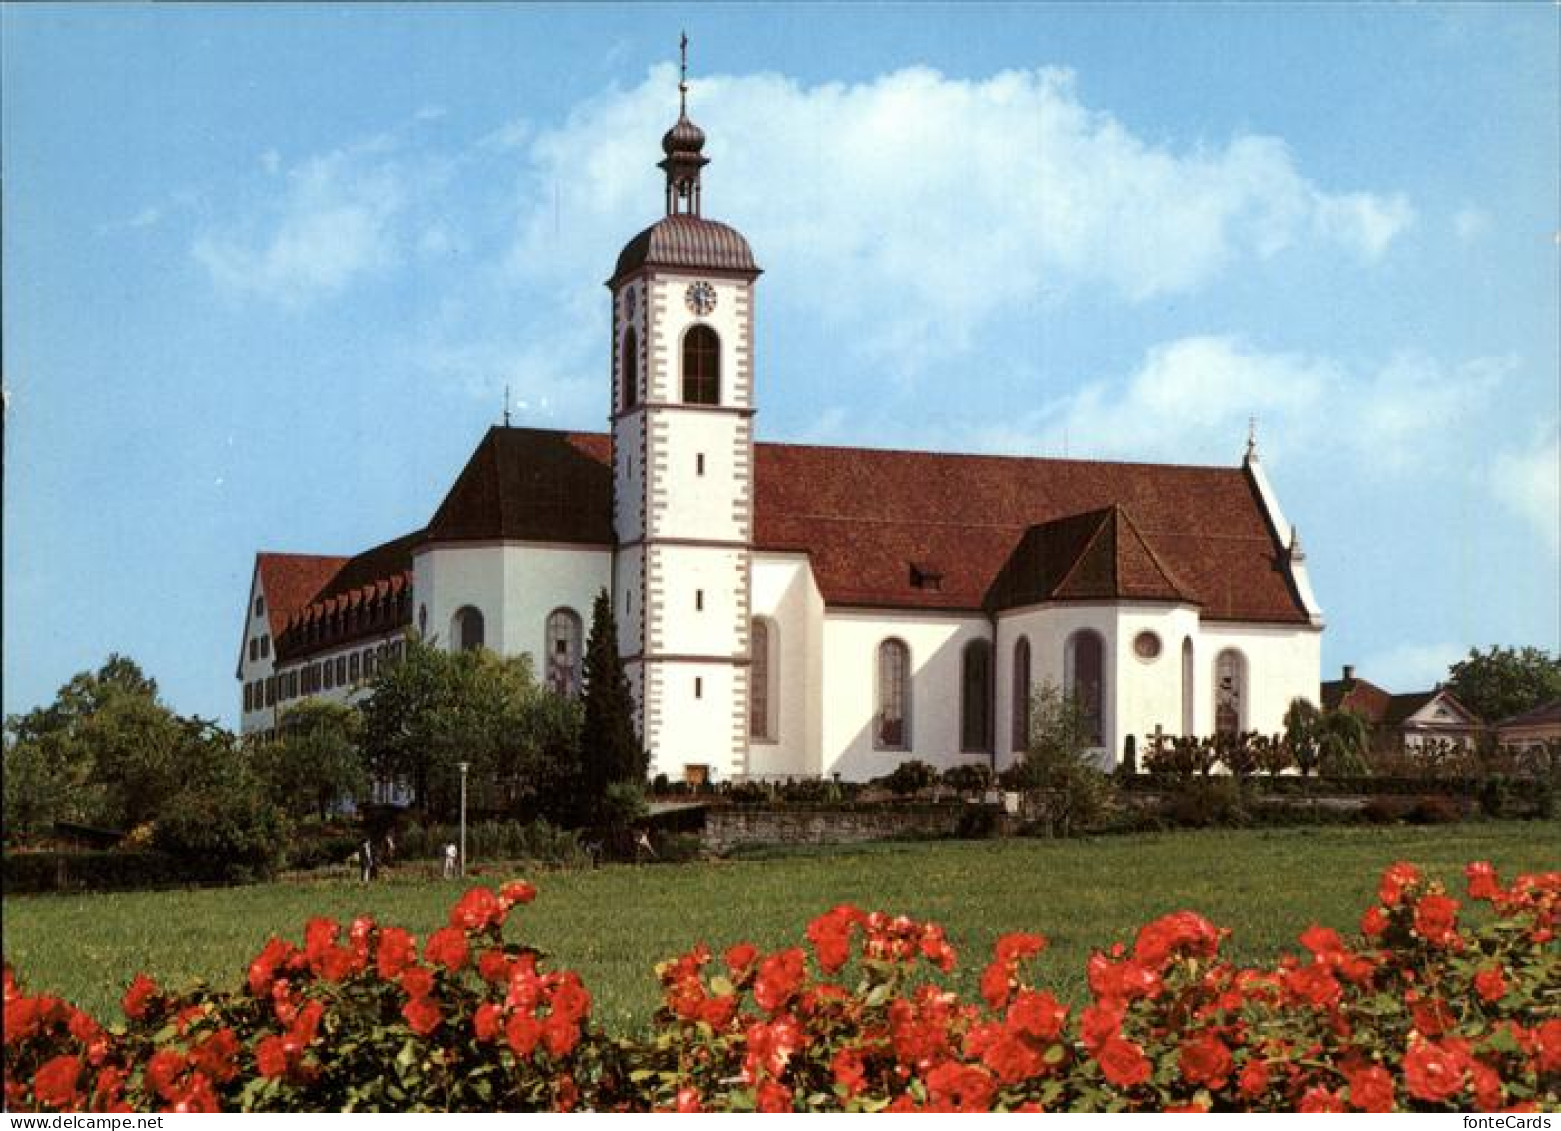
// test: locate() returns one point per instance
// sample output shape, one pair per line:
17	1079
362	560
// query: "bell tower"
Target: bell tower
682	428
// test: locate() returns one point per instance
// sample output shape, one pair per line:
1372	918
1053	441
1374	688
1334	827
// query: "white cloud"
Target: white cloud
1471	223
333	225
945	202
1191	399
1409	667
1528	481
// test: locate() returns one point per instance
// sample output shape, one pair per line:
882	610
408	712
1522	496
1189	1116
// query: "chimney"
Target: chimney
1349	672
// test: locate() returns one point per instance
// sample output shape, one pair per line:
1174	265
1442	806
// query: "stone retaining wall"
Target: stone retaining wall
729	827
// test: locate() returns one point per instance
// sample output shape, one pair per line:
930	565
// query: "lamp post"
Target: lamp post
464	766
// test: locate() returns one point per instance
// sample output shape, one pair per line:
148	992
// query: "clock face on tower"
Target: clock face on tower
700	297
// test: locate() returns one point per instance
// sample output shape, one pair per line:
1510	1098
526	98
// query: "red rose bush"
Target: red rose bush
1420	1012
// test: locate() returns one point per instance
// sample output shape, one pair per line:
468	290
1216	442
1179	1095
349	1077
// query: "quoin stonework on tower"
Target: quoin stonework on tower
790	610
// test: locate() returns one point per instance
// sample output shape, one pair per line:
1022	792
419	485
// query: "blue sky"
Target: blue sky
268	270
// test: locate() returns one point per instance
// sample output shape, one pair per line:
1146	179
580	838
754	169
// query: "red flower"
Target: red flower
477	910
830	935
1371	1089
774	1097
1101	1022
397	951
1322	940
522	1032
780	976
1253	1081
1374	922
1394	880
417	981
740	957
1547	1038
447	947
163	1070
1181	932
271	1057
1123	1063
1490	984
494	965
516	891
960	1087
486	1021
688	1100
1314	985
54	1084
262	971
560	1035
422	1015
1037	1015
1320	1099
1433	1072
1482	881
850	1071
139	997
216	1056
1204	1060
570	999
1436	919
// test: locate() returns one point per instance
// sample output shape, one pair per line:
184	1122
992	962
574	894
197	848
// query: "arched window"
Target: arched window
975	697
1084	681
1187	689
761	680
466	629
701	366
631	369
1230	691
563	652
892	726
1021	705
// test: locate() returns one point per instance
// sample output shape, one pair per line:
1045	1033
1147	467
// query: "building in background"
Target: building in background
789	610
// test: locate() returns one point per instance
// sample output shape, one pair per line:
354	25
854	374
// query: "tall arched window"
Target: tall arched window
631	369
1187	689
761	680
701	366
975	697
892	724
1084	681
1230	691
563	651
1021	704
466	629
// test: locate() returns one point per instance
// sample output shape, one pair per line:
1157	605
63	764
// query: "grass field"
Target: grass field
615	923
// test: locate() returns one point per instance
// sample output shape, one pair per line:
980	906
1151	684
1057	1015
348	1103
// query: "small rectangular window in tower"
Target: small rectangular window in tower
254	649
265	647
699	688
699	600
699	464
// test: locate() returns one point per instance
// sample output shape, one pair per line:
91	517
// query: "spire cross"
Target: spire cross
1251	435
506	406
683	76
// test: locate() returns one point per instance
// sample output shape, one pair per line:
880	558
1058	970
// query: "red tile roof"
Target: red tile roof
996	531
361	597
1362	696
290	581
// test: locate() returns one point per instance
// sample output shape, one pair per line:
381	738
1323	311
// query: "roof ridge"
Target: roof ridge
1089	545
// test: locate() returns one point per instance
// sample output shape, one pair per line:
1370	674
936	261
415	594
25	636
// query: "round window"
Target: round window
1147	645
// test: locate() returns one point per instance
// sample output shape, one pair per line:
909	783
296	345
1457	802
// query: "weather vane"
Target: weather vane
683	76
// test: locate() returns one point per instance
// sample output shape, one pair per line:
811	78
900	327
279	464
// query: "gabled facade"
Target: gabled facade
1407	722
790	610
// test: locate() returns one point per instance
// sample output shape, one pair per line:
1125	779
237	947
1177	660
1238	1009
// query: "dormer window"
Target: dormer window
924	576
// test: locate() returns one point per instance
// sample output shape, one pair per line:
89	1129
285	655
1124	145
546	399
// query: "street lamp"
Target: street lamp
464	766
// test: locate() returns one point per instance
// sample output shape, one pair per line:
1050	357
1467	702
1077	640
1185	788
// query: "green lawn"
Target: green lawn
613	924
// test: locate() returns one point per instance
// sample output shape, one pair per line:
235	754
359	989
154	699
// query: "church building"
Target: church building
789	610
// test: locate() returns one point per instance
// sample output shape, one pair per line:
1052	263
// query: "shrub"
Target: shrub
1420	1011
910	777
1386	810
225	830
972	777
1206	802
1434	811
92	871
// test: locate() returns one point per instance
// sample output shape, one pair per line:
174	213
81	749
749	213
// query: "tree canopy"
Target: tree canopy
1502	682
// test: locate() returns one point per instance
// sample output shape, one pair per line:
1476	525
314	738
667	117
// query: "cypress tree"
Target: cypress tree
609	749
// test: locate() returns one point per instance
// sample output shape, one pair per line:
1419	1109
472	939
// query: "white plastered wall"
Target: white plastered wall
849	679
1283	663
515	585
785	594
263	718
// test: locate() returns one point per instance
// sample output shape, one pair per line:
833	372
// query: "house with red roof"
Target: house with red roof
789	610
1409	721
